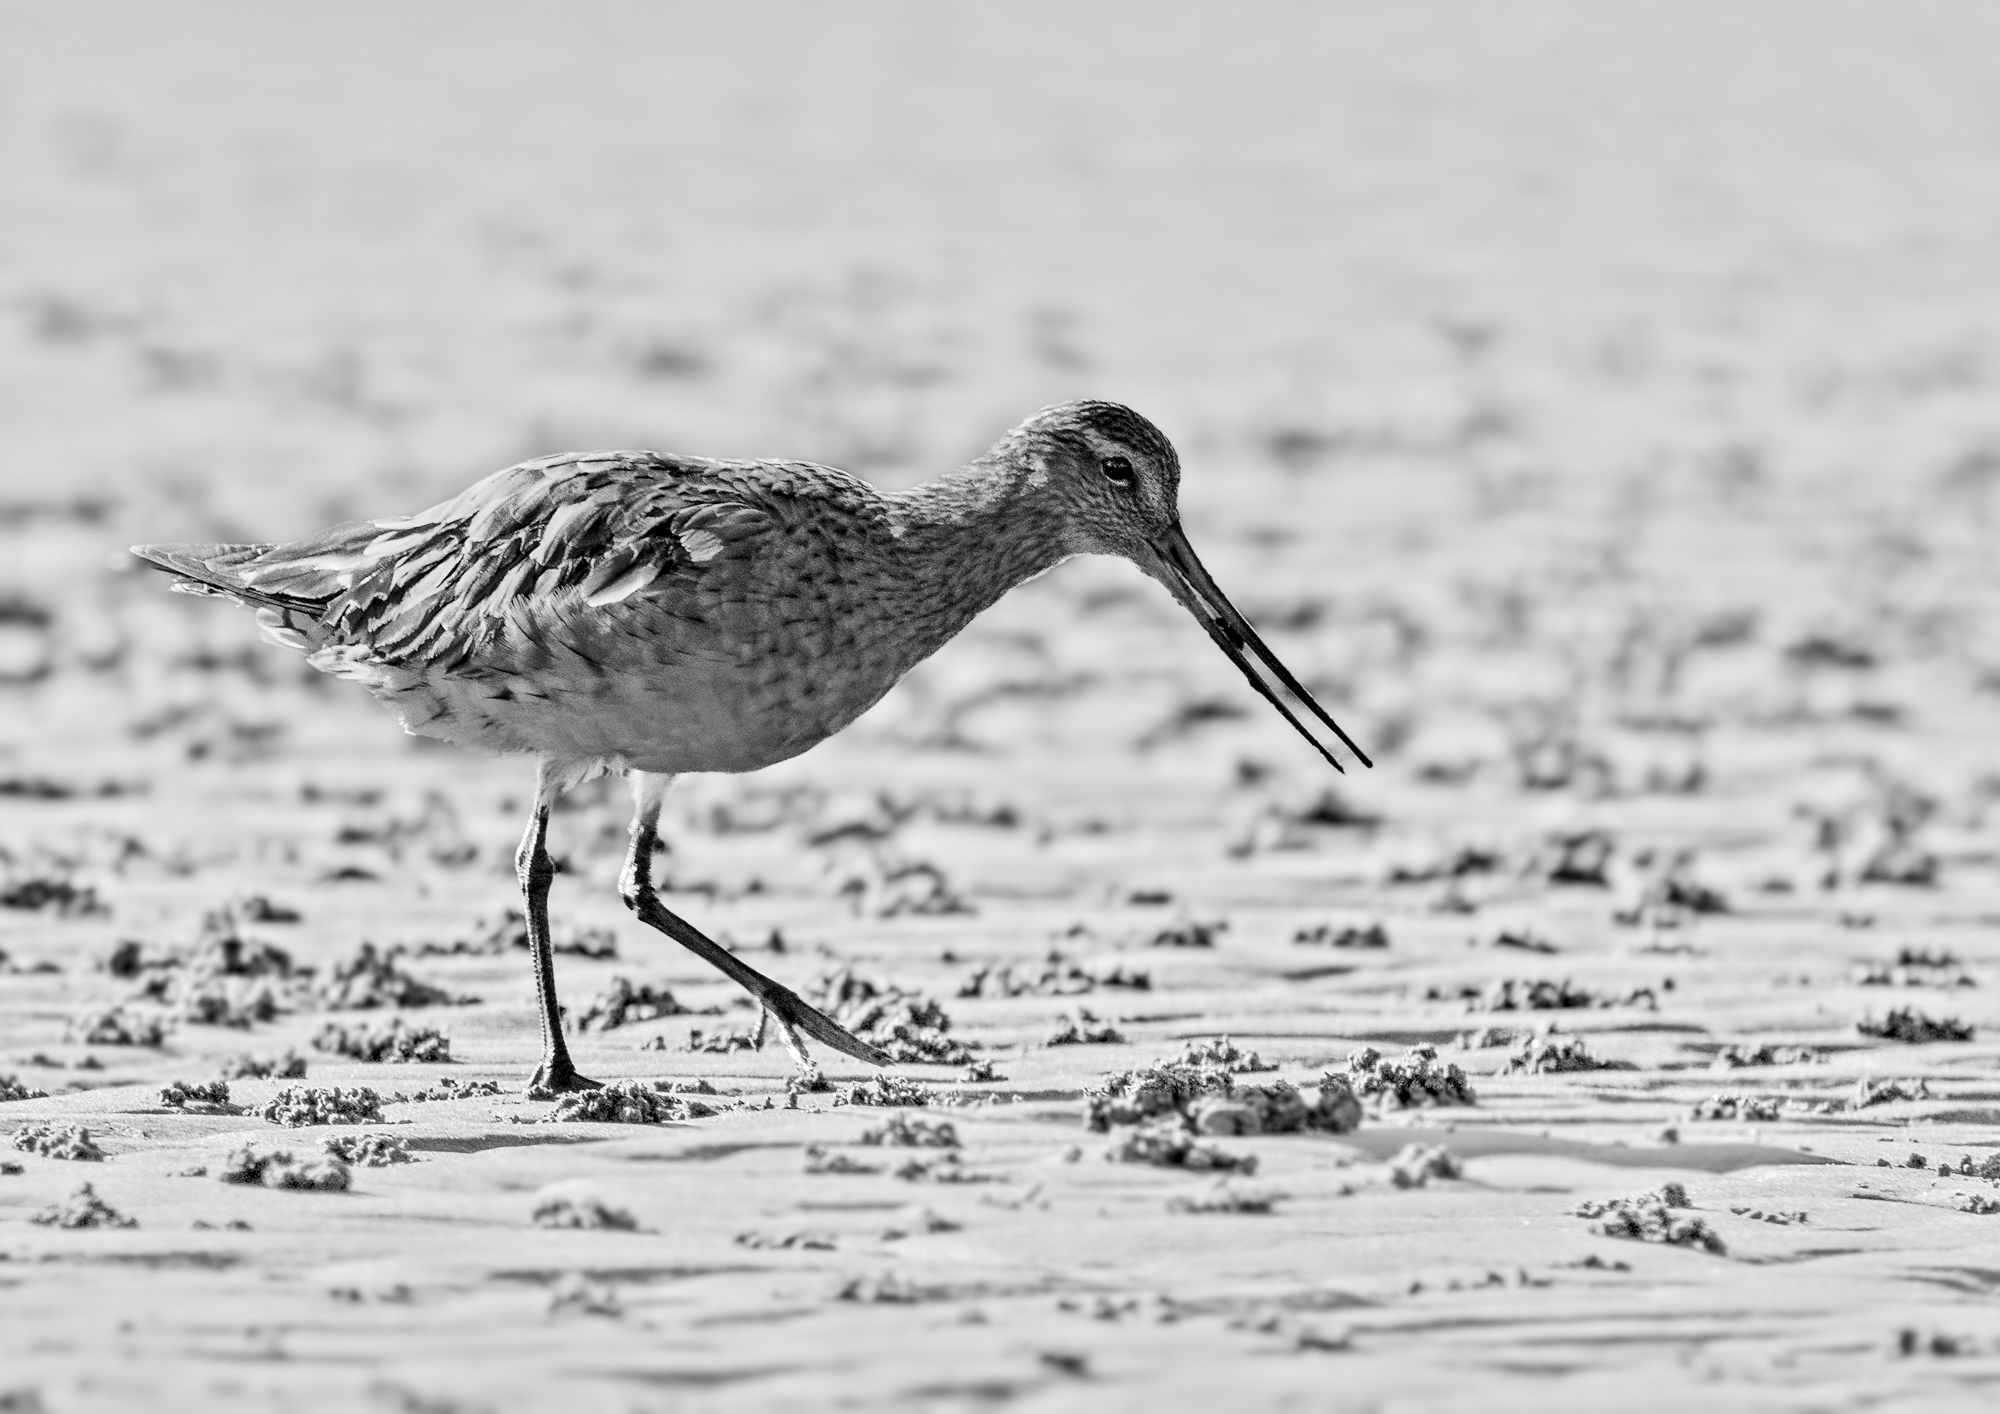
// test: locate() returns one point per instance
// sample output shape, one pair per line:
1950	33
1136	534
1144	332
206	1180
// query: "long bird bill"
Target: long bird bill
1198	592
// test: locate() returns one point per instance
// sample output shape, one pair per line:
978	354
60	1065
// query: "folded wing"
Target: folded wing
529	553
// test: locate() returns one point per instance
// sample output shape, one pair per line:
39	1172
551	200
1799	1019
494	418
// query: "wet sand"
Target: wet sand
1597	410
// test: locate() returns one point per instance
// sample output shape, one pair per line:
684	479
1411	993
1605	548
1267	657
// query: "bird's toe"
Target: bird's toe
558	1078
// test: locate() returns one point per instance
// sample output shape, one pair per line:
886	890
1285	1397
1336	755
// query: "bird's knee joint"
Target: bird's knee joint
535	867
632	893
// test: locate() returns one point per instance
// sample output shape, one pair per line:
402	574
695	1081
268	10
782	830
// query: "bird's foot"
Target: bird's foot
557	1076
795	1015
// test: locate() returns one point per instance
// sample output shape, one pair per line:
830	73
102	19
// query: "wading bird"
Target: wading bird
652	614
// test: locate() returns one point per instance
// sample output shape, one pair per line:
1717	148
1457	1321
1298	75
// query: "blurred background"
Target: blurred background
1542	371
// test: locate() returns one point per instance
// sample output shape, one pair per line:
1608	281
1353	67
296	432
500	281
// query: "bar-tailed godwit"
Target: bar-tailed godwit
651	614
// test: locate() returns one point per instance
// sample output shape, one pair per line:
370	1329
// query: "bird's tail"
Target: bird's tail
289	620
215	569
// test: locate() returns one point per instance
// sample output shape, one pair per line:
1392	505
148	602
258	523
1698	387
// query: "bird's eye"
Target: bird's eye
1118	470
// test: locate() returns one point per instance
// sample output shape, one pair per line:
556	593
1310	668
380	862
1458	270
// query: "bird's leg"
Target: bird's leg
556	1073
784	1006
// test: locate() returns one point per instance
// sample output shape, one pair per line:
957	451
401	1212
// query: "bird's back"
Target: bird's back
670	613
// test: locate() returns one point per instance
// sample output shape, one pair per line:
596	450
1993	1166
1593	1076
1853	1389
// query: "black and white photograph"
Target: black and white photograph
915	705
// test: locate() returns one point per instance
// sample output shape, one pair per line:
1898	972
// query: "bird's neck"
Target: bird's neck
970	536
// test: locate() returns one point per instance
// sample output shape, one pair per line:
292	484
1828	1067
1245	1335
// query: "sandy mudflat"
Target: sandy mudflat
1599	405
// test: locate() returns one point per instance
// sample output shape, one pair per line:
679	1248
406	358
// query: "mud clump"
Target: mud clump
1208	1099
451	1089
1084	1029
1415	1165
623	1004
1055	978
256	908
1911	1343
289	1066
1912	1027
1226	1197
47	893
820	1159
221	1001
1523	940
1740	1056
1339	1108
1132	979
885	1090
297	1105
127	959
1542	994
627	1102
1750	1109
886	1289
397	1043
911	1028
372	979
809	1081
581	1210
879	887
714	1043
1171	1146
1415	1080
939	1168
1278	1107
1328	935
1650	1218
903	1131
1223	1054
1550	1055
59	1141
115	1026
1887	1092
12	1089
1968	1167
1273	1110
180	1095
1671	898
277	1168
507	931
221	951
1580	859
1902	862
786	1242
225	979
82	1209
1168	1088
1189	935
369	1151
1913	967
1667	1195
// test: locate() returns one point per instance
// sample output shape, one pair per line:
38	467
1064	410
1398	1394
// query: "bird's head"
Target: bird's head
1117	481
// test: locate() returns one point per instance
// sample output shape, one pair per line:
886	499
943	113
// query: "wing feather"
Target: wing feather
623	587
549	555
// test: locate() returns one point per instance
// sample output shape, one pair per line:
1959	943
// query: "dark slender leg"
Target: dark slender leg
556	1073
781	1003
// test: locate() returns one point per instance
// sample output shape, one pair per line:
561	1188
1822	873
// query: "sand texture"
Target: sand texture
1598	405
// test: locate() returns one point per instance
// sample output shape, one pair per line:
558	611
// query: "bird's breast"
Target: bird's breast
753	683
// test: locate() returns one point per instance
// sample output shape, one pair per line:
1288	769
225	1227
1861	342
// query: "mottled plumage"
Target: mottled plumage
658	614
